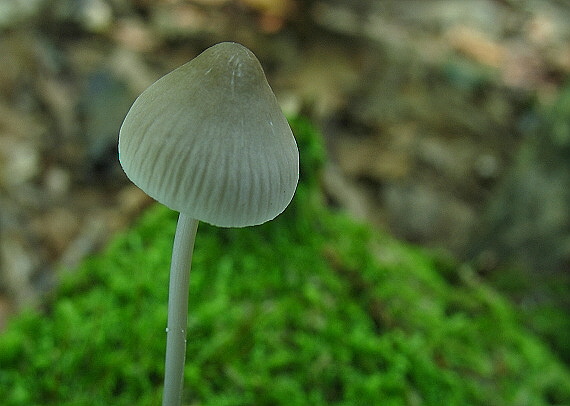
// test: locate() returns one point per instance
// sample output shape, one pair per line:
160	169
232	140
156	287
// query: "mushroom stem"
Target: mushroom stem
178	309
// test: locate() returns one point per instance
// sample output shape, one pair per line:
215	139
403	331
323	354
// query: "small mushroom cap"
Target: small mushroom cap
210	141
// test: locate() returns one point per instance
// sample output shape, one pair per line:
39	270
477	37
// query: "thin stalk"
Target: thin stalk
178	309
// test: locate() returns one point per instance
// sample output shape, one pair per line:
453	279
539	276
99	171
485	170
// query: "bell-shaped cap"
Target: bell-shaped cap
210	141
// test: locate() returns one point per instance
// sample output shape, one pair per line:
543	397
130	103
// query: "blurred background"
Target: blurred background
447	124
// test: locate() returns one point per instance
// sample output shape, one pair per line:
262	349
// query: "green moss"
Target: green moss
309	309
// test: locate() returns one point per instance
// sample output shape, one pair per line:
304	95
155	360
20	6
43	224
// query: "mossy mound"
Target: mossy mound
309	309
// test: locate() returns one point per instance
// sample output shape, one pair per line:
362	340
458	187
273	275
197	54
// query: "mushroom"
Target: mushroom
209	141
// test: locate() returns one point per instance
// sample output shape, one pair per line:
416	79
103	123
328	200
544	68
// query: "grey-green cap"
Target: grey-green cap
210	141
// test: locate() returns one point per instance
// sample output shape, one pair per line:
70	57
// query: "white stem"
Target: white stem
178	309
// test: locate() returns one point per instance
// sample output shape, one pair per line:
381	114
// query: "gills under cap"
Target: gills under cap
210	141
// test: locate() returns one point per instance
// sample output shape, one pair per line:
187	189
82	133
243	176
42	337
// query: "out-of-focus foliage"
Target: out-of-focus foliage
528	225
310	308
